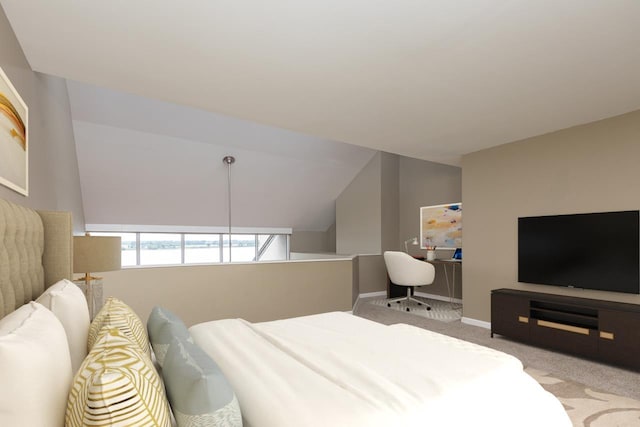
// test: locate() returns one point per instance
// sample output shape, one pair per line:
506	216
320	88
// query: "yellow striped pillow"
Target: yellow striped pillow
116	314
117	385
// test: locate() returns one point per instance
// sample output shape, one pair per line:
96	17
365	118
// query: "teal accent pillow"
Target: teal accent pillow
197	389
163	326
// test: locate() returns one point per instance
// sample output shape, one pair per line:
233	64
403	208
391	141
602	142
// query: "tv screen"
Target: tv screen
591	251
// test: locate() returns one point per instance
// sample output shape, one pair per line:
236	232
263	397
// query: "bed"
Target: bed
336	369
333	369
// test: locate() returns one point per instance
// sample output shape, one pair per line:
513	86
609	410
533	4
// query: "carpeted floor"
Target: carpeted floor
440	310
594	394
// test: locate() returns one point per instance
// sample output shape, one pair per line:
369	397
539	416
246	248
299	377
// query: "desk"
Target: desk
453	263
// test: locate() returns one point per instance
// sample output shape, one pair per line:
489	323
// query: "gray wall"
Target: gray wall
389	201
379	210
54	182
359	213
331	238
424	183
588	168
314	241
309	241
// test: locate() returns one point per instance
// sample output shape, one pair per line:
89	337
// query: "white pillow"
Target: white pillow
68	303
35	368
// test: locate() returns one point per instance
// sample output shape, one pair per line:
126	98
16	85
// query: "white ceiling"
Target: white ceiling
430	79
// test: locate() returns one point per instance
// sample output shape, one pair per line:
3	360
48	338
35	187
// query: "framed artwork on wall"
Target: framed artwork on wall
441	226
14	148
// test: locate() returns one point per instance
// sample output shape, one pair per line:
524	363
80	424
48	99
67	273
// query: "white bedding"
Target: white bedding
336	369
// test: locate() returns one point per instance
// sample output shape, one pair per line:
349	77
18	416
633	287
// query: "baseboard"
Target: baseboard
437	297
373	294
474	322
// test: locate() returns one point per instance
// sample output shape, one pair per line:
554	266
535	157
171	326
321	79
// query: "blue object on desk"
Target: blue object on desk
457	254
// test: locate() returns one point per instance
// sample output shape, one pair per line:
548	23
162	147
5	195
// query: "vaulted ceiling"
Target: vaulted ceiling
149	162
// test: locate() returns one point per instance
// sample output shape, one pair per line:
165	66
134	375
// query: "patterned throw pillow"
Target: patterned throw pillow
117	385
199	393
116	314
163	326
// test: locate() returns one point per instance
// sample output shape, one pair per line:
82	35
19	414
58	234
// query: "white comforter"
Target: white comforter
336	369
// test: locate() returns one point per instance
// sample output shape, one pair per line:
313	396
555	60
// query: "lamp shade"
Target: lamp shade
96	254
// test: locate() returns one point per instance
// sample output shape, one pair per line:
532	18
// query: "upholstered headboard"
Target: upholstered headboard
36	250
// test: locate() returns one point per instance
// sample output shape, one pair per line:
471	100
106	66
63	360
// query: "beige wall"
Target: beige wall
54	182
372	274
358	212
589	168
253	291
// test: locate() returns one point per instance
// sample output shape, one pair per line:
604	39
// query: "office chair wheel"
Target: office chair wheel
407	308
388	304
428	308
397	302
419	303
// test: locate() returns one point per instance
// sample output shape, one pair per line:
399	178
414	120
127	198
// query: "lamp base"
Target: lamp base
93	293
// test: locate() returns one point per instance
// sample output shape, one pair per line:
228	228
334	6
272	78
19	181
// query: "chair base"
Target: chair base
408	299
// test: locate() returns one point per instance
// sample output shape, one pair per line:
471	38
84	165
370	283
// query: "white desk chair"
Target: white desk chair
405	270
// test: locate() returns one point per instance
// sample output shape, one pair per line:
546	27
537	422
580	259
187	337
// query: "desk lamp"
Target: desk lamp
413	241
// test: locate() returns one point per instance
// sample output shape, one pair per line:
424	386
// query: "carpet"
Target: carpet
443	311
587	407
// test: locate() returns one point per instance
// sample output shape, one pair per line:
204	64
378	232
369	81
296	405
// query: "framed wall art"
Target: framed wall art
441	226
14	147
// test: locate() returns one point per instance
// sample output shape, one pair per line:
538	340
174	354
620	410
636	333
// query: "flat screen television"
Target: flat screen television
590	251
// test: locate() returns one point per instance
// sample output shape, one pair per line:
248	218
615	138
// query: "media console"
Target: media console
601	330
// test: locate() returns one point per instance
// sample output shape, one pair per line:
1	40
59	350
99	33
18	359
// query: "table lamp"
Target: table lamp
95	253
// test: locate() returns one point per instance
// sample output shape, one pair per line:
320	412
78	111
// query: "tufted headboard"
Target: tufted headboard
36	250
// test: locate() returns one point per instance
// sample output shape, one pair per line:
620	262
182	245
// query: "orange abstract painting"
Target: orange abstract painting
14	160
441	226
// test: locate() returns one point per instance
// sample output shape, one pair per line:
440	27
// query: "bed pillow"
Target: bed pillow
117	385
116	314
163	326
197	389
35	368
68	303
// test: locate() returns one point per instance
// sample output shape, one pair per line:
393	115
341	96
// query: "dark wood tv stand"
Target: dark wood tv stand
606	331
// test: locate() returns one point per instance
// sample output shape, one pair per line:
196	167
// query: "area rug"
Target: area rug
587	407
440	310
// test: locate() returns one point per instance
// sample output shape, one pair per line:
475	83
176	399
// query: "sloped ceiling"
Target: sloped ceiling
148	162
429	79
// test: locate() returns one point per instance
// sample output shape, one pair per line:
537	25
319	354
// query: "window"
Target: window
160	248
243	247
198	248
272	247
201	248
